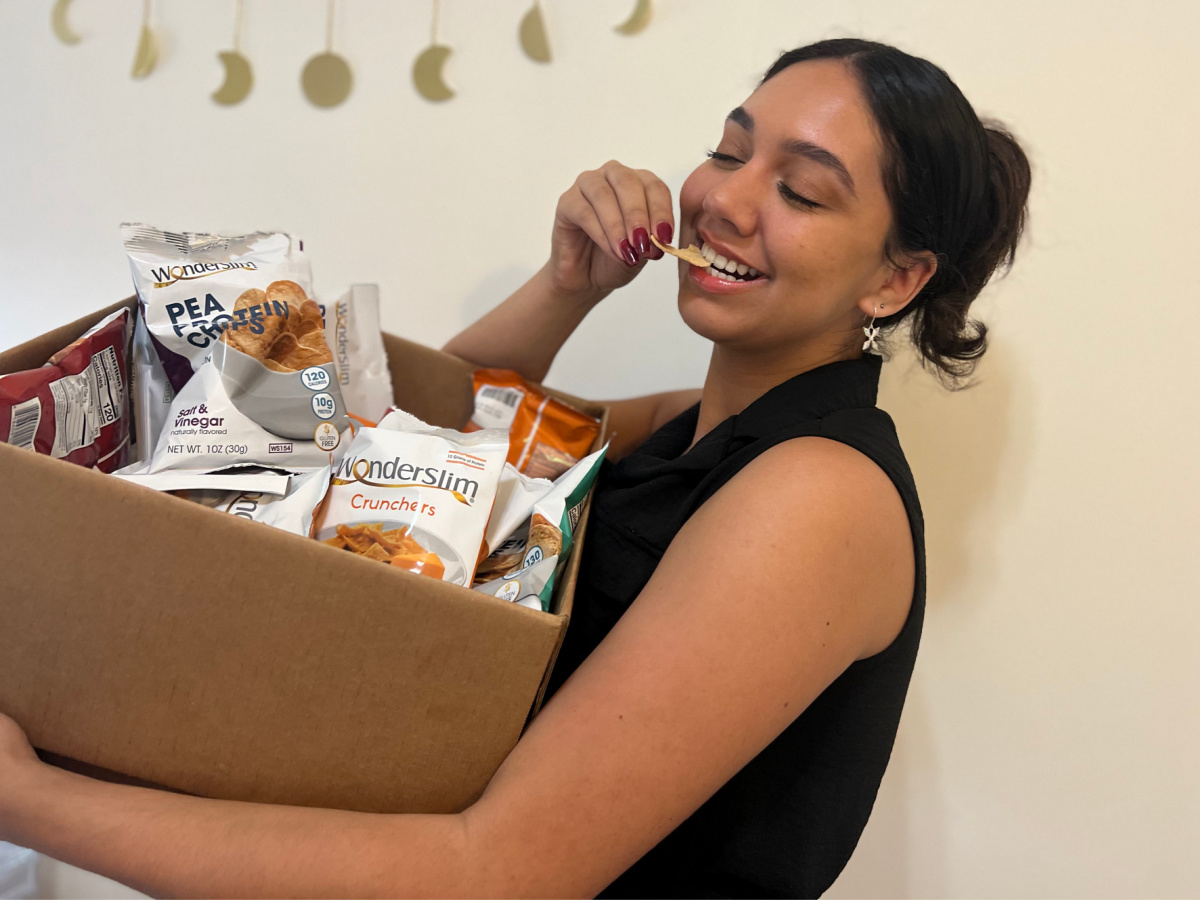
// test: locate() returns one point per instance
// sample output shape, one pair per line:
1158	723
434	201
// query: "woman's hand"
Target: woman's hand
602	229
17	763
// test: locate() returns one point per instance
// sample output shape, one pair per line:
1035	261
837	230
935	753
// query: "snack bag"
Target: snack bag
546	436
295	511
76	406
191	287
208	429
239	341
352	324
525	586
415	497
151	395
547	528
515	498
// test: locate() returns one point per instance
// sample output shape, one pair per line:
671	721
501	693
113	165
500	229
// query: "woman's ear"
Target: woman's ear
903	283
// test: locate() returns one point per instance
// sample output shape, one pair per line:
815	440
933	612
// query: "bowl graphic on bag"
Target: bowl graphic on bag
287	404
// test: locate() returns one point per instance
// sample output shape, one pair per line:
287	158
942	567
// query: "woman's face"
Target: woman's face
795	191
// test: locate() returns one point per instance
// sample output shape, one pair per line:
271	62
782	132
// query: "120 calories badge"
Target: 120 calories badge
315	378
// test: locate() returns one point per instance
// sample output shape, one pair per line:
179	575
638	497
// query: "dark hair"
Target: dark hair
957	186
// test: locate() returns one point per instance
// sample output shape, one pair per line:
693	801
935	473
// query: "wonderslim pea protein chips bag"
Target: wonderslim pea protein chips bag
243	346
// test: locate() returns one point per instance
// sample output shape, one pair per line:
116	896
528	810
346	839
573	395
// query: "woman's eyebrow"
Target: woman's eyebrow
799	147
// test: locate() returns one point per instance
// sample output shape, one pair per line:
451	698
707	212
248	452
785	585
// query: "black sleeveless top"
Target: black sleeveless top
786	824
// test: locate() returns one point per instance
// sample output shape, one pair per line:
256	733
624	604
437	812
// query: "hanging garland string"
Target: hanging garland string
327	79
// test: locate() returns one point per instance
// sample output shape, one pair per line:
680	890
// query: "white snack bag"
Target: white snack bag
206	431
356	339
295	511
234	330
415	496
514	503
188	285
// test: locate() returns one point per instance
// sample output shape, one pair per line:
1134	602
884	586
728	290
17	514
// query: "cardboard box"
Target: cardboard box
171	645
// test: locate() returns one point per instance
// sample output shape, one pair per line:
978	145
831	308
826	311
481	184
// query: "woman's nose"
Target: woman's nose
736	199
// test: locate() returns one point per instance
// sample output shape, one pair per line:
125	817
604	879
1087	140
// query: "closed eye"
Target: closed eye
792	197
724	158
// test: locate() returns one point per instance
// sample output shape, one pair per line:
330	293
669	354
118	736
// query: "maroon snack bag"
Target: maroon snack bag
76	406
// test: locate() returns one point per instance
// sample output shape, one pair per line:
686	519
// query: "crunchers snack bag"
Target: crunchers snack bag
76	406
546	436
546	530
243	346
415	497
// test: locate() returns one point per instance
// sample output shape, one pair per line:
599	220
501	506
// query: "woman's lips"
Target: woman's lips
714	285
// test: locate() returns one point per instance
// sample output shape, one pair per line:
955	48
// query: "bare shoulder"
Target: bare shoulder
816	509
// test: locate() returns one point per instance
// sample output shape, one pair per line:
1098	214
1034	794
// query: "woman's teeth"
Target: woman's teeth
727	269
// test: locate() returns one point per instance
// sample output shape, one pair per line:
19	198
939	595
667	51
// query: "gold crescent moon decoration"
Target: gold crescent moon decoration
533	35
638	19
427	73
146	57
427	68
239	76
239	79
58	21
327	79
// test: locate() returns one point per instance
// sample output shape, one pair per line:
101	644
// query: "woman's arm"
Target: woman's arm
631	421
719	653
600	242
526	331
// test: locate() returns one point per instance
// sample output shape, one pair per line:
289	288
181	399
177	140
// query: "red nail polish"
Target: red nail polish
664	231
629	254
641	240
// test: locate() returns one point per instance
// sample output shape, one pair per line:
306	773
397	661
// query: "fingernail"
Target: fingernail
641	240
629	254
664	231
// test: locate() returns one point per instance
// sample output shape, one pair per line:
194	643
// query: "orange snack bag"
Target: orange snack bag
545	436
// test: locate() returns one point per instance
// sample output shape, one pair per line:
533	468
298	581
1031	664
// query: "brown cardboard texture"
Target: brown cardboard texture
171	644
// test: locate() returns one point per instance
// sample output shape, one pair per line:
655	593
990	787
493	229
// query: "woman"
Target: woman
753	587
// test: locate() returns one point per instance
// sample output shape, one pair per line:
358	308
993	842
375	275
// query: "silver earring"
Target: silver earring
871	331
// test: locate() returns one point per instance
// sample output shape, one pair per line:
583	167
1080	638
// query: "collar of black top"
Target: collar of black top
846	384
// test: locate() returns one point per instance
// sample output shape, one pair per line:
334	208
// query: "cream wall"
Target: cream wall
1048	746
